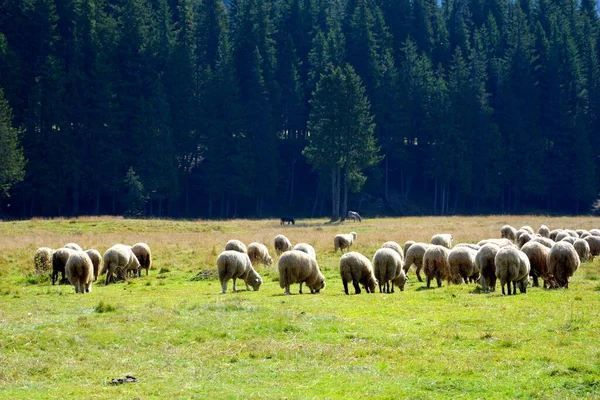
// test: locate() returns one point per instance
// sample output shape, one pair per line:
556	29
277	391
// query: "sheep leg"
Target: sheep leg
428	282
514	287
502	284
439	281
356	287
223	286
234	288
379	284
345	286
535	281
508	288
300	287
419	273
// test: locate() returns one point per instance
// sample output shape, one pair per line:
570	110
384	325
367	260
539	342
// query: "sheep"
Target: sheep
73	246
435	264
343	241
543	240
394	246
80	271
119	259
281	244
258	252
584	234
42	260
461	261
522	232
442	239
59	260
563	261
512	266
485	261
306	248
595	232
354	216
357	268
594	243
537	254
96	258
580	232
407	245
523	238
572	233
471	246
508	232
499	242
583	249
561	235
569	239
144	256
296	266
543	231
414	255
554	233
387	265
236	245
232	264
527	229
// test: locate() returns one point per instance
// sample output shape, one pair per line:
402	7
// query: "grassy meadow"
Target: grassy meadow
181	338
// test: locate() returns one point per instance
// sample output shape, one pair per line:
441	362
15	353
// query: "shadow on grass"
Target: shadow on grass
425	288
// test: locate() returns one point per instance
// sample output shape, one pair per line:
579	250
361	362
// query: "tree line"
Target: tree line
187	108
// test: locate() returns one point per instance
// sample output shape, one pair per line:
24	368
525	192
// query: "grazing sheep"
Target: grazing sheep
414	255
595	232
508	232
471	246
258	253
354	216
569	239
357	268
296	266
435	264
287	220
73	246
232	264
583	249
543	240
144	256
281	244
236	245
572	233
407	245
527	229
442	239
486	262
59	260
544	231
343	241
594	243
537	254
554	233
512	266
119	260
306	248
387	265
523	238
96	258
584	234
461	261
394	246
561	235
499	242
581	232
563	261
42	260
80	271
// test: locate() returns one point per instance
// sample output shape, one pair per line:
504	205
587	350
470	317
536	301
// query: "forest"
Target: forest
197	108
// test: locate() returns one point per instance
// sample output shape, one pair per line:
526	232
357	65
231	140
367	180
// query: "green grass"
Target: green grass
182	338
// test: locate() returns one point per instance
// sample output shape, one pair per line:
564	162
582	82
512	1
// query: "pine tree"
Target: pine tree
12	162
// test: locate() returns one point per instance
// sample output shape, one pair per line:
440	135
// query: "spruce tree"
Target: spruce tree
12	162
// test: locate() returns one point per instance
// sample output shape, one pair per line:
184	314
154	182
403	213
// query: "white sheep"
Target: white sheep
354	216
462	265
544	231
442	239
394	246
407	245
435	264
569	239
561	235
543	240
508	232
73	246
236	245
512	266
119	260
523	238
554	233
499	242
485	261
144	256
59	260
594	243
387	265
414	255
537	254
296	266
358	269
96	258
258	253
80	271
306	248
471	246
595	232
527	229
343	241
42	260
583	249
563	261
232	264
281	244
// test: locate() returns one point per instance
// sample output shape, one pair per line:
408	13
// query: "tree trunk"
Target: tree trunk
334	209
316	203
76	197
344	208
385	190
210	201
187	195
435	194
292	182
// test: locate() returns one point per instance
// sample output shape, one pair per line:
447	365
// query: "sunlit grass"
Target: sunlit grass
181	338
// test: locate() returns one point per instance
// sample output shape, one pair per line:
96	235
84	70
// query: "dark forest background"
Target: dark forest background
188	108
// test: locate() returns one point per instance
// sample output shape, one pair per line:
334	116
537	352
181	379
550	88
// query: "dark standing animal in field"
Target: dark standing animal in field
288	220
354	216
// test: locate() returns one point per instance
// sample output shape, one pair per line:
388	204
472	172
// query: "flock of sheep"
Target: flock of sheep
81	268
517	258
